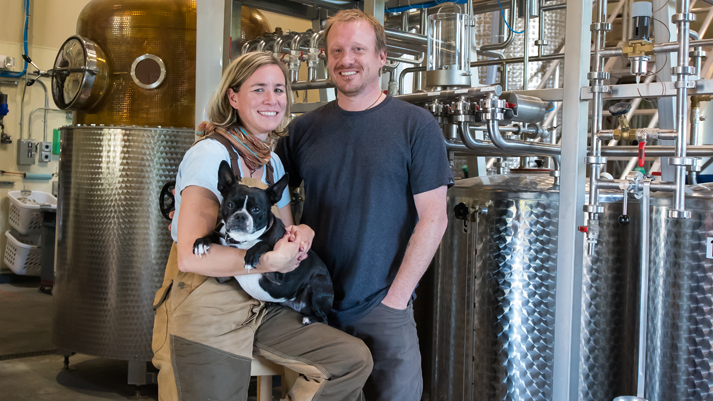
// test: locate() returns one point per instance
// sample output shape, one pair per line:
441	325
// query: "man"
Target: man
376	173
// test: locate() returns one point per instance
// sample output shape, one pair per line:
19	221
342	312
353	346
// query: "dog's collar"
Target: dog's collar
230	240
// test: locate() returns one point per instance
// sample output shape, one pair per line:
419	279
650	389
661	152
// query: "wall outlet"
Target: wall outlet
26	151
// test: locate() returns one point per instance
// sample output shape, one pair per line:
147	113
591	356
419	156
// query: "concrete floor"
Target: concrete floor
29	368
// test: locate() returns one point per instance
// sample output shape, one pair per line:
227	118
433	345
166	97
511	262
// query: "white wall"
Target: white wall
51	23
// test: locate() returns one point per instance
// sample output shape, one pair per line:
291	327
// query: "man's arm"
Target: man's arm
432	223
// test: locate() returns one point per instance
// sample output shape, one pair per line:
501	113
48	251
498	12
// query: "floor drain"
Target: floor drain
27	354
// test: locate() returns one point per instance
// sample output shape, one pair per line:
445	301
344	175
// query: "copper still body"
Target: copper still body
127	30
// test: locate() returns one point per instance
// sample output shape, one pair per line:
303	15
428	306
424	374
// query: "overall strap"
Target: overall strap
234	165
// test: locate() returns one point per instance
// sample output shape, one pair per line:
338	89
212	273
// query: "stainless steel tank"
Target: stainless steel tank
493	296
680	315
112	242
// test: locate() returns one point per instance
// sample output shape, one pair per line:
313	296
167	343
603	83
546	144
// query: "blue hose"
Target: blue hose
421	6
24	70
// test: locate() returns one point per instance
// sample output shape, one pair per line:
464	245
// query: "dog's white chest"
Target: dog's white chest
251	284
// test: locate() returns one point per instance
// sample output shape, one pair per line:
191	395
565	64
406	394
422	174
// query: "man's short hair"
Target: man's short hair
355	15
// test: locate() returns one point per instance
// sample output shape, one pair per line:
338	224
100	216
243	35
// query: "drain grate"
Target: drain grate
27	354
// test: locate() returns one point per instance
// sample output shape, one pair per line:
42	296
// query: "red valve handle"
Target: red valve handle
583	229
642	153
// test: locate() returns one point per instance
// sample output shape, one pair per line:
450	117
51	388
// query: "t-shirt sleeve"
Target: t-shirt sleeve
286	151
200	166
429	167
277	174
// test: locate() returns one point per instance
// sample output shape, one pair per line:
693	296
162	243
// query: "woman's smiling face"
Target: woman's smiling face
261	101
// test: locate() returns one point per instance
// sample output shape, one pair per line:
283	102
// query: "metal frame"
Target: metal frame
568	299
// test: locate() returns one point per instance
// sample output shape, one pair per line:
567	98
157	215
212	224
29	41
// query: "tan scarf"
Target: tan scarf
254	151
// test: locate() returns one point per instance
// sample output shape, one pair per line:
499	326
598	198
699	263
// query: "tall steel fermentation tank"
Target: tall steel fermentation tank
112	242
680	319
493	296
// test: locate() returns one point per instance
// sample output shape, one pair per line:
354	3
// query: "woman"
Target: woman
205	332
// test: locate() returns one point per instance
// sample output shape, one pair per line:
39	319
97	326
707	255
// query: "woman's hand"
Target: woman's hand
306	234
285	257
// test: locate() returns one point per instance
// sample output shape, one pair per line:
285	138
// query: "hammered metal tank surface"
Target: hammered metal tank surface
680	319
494	296
610	280
128	29
112	242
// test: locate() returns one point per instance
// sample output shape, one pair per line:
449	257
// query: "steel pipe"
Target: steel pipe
522	147
477	93
319	84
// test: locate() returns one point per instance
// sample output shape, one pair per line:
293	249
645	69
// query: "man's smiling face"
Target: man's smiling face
353	61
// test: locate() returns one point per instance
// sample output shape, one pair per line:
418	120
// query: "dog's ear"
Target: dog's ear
226	178
274	192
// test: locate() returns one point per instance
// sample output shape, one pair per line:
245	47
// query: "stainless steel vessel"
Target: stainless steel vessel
680	318
112	242
493	292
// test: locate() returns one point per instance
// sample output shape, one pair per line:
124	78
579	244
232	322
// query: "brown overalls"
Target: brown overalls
205	334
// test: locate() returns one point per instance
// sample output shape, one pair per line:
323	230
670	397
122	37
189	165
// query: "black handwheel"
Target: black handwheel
166	201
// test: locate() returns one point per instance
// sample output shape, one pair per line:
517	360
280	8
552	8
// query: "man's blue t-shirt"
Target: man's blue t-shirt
360	171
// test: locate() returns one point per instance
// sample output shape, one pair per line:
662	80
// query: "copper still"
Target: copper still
127	30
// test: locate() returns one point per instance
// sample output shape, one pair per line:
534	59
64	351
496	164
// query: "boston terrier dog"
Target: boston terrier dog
248	223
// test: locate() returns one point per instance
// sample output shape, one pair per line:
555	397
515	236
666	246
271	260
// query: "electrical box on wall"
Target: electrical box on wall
46	151
26	150
6	62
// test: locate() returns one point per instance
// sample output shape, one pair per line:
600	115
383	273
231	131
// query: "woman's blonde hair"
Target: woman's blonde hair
220	112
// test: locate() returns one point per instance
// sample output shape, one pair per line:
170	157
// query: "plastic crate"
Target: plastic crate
22	253
25	216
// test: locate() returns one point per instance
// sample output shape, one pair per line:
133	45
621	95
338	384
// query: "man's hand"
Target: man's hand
394	303
306	234
285	257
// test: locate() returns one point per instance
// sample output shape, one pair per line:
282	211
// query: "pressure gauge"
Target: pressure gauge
80	74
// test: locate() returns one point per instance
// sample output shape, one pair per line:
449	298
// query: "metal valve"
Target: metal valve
624	218
462	212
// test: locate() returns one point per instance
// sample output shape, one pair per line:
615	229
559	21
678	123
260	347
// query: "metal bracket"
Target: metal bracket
596	160
679	214
593	209
601	26
683	70
683	17
597	75
681	161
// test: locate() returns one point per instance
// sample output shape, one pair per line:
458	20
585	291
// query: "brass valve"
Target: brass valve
638	48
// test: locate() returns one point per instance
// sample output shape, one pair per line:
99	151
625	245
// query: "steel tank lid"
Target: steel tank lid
520	185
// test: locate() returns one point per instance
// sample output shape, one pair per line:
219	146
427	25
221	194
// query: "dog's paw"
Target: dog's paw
201	247
251	260
306	321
